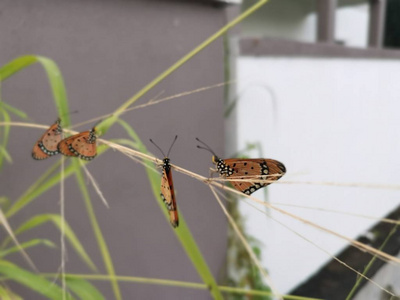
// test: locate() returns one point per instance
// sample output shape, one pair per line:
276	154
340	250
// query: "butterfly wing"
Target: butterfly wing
65	146
79	145
46	146
259	168
83	147
168	196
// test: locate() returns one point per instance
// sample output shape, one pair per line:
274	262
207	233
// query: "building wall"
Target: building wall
297	20
329	121
107	51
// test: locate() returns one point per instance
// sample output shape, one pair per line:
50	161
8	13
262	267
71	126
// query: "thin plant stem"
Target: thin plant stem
108	122
367	267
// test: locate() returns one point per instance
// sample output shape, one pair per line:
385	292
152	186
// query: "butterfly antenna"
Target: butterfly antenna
172	145
159	147
206	147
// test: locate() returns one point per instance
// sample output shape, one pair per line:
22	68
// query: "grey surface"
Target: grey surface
281	47
107	51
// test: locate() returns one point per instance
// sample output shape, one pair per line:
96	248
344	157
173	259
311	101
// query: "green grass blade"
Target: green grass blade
6	294
42	185
83	289
31	243
10	232
370	264
182	284
97	231
30	280
54	75
16	65
183	233
4	154
4	203
38	220
13	110
4	139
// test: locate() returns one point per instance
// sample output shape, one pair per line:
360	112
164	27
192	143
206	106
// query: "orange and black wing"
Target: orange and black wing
168	196
78	145
46	146
259	168
65	146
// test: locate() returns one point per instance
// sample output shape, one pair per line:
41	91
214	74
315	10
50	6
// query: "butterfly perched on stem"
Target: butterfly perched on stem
167	187
82	145
263	169
46	146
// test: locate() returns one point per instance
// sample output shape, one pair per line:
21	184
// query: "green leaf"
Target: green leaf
43	184
83	289
4	140
31	243
38	220
53	74
13	110
182	232
30	280
4	154
4	203
105	253
6	294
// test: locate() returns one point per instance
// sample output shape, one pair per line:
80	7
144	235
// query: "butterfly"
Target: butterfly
46	146
167	188
82	145
247	168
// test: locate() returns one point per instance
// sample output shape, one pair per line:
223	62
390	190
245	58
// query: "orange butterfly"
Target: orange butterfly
46	146
167	188
247	168
82	145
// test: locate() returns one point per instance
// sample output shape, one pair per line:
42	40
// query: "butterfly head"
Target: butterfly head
216	160
166	164
58	130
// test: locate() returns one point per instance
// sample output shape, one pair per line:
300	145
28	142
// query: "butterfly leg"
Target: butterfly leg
210	175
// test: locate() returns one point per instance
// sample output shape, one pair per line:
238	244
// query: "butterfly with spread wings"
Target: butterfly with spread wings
263	169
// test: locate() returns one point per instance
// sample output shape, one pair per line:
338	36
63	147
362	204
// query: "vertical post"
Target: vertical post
326	21
377	12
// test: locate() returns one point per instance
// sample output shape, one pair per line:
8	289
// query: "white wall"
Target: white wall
327	120
296	20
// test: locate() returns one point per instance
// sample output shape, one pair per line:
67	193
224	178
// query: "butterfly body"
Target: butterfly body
167	187
46	146
82	145
244	168
168	193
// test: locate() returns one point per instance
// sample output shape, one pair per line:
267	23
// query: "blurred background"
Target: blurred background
314	85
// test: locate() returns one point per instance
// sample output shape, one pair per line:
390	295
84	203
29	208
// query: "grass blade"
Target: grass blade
7	227
42	185
83	289
183	233
12	109
31	243
106	124
38	220
97	231
33	281
6	294
53	74
4	141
